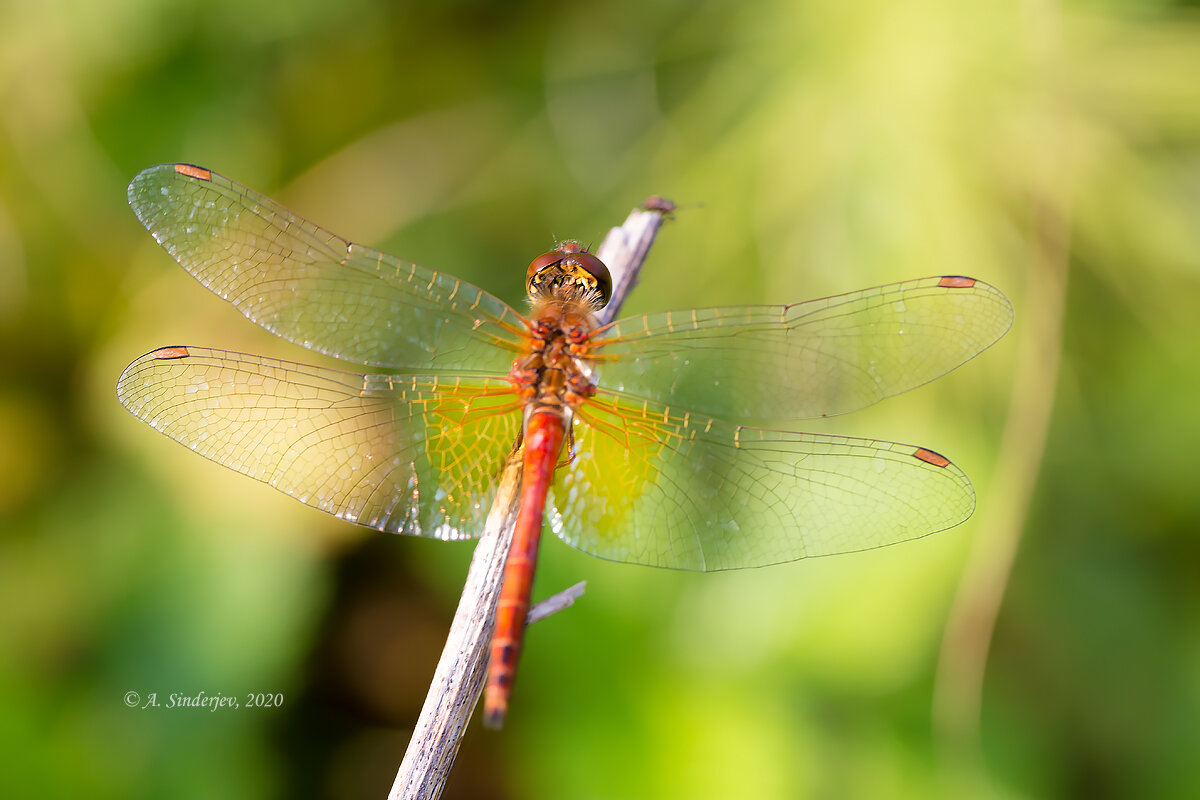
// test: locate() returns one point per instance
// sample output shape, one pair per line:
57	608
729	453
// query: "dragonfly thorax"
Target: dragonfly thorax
557	370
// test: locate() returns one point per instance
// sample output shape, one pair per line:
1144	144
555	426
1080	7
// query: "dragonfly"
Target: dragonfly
639	440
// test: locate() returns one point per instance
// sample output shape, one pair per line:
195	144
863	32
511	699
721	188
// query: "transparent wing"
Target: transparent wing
316	289
813	359
668	489
407	454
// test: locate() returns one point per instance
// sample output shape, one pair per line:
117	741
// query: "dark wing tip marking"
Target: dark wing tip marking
930	457
956	282
192	171
171	352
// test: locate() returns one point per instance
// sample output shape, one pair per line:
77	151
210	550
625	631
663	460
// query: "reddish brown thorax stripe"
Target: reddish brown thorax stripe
199	173
956	282
544	434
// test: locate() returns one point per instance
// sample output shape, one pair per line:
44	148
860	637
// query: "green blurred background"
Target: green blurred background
1048	648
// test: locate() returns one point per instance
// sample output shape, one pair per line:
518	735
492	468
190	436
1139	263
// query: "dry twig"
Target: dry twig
458	679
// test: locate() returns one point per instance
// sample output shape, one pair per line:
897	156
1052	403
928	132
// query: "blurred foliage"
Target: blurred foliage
823	147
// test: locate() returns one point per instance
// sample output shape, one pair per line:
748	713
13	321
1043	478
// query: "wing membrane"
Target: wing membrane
818	358
314	288
651	486
407	454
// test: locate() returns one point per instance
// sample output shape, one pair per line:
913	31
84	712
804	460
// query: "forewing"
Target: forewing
813	359
317	289
647	485
407	454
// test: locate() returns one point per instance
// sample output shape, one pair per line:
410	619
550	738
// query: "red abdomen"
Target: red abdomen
544	433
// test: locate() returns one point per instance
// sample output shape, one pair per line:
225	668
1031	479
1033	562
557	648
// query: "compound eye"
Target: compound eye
595	267
541	262
569	265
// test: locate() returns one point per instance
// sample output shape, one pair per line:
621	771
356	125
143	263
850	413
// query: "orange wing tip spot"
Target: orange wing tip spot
956	282
171	352
930	457
199	173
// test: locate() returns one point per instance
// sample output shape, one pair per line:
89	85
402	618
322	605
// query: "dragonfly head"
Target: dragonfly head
569	268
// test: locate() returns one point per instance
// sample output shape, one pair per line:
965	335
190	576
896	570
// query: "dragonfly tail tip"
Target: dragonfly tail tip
493	718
